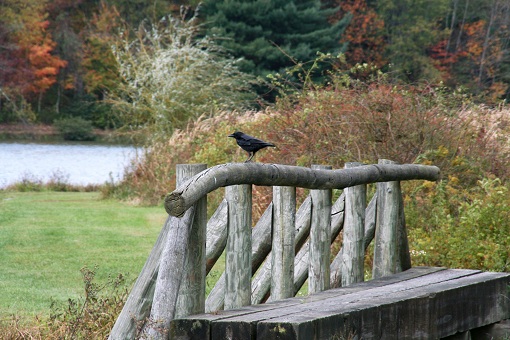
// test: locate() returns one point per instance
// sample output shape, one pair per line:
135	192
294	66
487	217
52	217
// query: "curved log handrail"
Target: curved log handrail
178	201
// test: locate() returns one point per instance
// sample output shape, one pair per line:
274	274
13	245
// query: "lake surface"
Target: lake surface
75	163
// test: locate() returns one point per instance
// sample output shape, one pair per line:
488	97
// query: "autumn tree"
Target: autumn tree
32	47
364	35
410	29
476	51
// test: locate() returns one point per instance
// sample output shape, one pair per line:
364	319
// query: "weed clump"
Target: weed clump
90	317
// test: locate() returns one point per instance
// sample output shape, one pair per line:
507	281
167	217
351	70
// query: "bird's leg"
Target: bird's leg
250	154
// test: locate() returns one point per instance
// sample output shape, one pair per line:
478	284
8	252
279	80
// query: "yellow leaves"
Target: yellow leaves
428	185
453	180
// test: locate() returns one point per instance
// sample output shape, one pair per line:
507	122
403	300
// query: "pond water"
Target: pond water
73	163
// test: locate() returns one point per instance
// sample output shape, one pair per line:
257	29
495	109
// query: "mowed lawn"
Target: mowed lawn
47	237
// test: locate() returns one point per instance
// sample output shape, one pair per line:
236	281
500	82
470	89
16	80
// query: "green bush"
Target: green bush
460	227
75	129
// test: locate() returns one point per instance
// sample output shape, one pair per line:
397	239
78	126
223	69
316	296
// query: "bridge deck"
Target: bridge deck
422	302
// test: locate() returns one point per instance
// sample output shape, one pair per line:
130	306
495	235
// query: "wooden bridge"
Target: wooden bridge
288	245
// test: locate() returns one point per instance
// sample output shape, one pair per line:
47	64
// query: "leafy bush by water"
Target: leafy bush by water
75	129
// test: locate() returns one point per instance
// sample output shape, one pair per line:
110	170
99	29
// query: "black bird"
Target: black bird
249	144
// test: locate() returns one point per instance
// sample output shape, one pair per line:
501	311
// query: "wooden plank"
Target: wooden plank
222	175
320	236
383	313
439	309
282	259
353	252
185	327
460	308
239	325
239	249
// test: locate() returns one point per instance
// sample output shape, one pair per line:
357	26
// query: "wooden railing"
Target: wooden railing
172	281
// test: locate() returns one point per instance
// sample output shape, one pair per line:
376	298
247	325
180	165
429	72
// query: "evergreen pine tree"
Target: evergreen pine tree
272	35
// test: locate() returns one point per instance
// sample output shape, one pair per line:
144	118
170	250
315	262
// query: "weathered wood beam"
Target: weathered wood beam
177	202
176	262
386	238
353	252
261	245
336	264
301	260
238	259
320	235
216	235
282	268
191	297
261	282
138	305
169	277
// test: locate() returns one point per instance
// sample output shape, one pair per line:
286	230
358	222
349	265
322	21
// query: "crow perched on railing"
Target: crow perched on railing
249	144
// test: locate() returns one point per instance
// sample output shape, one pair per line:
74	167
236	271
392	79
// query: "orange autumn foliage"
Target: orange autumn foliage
364	34
44	65
35	50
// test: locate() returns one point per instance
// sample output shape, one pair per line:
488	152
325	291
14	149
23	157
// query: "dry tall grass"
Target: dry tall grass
358	122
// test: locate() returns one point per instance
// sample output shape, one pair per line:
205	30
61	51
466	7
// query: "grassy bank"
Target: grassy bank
47	237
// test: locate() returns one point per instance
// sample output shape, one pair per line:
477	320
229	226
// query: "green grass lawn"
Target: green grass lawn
47	237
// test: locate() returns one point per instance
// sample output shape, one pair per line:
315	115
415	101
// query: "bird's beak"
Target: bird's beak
232	135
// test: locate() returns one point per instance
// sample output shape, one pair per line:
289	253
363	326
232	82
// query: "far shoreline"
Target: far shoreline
19	132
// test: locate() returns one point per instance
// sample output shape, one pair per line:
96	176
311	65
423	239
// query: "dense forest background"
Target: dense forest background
67	58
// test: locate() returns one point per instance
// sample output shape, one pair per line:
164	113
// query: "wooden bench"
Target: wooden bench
420	303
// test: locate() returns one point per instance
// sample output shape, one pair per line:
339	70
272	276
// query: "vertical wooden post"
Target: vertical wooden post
172	263
238	251
385	250
404	257
191	298
261	245
353	252
284	220
320	238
